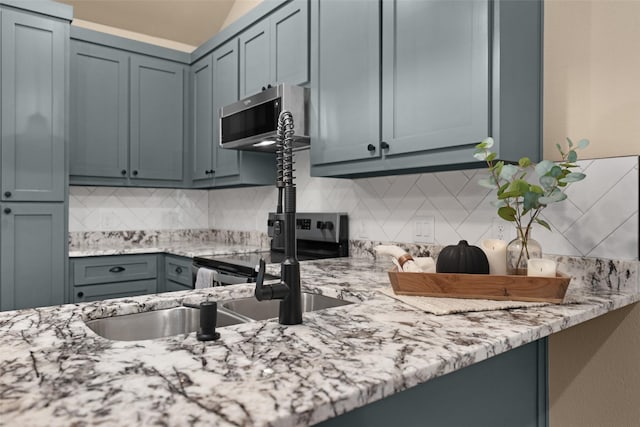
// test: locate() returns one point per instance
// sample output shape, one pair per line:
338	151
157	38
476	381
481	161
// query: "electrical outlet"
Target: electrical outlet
498	229
424	229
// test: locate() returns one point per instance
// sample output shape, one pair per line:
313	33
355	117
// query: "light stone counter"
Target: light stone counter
55	371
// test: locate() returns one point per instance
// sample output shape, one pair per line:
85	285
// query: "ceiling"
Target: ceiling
186	21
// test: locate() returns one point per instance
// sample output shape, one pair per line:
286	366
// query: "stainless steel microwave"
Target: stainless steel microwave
252	123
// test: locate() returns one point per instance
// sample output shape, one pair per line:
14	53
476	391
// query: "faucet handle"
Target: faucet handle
260	268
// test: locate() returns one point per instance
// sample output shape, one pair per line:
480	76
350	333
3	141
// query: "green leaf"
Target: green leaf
536	189
507	213
573	156
555	196
524	162
519	186
570	142
492	156
488	142
547	182
543	223
544	167
502	188
555	171
560	150
509	194
480	155
573	177
583	143
530	201
498	167
488	182
508	171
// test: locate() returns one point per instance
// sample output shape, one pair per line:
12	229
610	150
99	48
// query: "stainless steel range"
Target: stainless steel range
318	236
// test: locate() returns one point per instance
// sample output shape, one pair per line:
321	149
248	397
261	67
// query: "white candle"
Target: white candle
496	251
541	267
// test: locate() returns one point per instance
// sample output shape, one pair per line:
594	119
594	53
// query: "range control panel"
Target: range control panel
319	226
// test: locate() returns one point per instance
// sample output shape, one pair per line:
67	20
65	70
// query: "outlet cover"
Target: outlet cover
424	229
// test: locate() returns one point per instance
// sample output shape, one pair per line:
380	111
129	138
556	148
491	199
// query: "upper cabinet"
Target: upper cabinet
33	88
128	115
215	84
276	49
417	84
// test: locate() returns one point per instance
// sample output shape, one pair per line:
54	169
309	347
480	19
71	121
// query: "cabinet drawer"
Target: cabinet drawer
110	269
175	286
114	290
178	270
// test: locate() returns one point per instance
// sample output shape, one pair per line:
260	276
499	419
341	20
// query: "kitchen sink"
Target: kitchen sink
262	310
156	324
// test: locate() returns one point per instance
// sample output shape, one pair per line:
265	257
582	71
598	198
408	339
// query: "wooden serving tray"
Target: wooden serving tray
481	286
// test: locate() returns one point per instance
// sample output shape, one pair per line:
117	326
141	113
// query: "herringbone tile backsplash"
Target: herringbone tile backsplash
599	219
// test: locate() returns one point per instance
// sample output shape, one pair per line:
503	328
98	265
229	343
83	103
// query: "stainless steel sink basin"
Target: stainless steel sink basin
262	310
156	324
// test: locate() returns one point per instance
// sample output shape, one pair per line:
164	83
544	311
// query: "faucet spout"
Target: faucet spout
288	290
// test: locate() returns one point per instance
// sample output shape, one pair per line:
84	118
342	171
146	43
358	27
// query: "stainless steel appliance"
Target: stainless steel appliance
319	236
251	123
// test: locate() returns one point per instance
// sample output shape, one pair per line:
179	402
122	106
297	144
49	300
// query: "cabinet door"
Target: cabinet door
290	43
435	75
204	120
32	255
347	93
225	91
99	111
33	57
255	58
157	115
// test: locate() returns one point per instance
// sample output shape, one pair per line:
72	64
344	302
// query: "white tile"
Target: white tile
454	181
621	244
606	215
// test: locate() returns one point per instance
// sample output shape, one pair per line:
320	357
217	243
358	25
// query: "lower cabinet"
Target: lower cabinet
509	389
177	272
32	255
118	276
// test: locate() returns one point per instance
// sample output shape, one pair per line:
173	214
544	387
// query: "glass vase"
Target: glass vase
519	250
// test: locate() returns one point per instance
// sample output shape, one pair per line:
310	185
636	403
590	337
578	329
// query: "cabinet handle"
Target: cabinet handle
117	269
123	172
264	88
7	194
179	270
269	86
371	147
384	145
135	173
7	210
80	294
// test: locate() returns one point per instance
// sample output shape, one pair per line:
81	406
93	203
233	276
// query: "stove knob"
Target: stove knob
320	225
269	223
328	225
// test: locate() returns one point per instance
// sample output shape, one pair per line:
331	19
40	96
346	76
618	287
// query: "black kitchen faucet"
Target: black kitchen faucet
288	289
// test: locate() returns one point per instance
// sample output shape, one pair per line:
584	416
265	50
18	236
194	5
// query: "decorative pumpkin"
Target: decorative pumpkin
462	258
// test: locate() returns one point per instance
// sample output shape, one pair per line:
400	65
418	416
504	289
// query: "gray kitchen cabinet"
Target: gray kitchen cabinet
509	389
117	276
177	272
127	112
450	73
157	119
99	108
203	151
33	91
32	255
215	84
276	49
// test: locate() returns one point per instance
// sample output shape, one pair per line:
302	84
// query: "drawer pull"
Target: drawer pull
117	269
179	270
80	294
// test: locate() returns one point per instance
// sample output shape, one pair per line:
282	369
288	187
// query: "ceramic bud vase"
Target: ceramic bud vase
519	250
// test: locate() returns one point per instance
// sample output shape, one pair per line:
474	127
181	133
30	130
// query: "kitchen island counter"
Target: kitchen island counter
55	371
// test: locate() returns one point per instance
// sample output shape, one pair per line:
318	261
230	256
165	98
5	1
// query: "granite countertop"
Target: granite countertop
55	371
188	249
